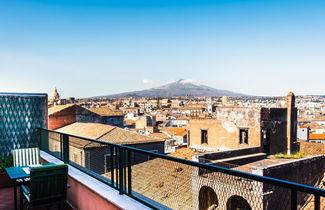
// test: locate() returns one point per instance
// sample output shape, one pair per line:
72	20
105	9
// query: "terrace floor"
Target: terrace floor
7	200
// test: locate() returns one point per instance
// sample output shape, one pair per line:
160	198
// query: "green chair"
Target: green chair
47	186
26	156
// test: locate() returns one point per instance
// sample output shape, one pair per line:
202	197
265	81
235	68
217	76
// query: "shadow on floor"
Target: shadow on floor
7	201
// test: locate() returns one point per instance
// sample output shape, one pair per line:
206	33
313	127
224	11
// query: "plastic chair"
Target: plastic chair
48	186
26	156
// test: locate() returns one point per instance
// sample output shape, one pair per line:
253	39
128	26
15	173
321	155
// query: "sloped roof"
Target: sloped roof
175	131
106	133
316	136
88	130
59	108
315	125
185	153
165	181
105	111
121	136
160	135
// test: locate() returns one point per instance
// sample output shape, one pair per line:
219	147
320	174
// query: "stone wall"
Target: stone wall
274	121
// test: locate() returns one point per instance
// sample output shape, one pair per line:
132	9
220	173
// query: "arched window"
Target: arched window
236	202
208	199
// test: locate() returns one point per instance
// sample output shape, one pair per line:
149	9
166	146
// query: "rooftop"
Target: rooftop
58	108
114	176
108	133
88	130
105	111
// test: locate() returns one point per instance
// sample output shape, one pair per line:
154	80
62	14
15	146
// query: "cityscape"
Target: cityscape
165	104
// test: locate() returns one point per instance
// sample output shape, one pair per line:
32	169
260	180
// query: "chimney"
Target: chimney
291	121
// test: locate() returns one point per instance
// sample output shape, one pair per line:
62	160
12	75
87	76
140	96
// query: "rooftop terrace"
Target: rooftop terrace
113	176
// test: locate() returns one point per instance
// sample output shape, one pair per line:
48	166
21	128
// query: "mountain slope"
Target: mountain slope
177	89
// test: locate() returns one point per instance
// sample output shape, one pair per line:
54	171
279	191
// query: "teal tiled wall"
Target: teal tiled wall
20	117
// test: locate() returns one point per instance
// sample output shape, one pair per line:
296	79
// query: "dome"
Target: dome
56	94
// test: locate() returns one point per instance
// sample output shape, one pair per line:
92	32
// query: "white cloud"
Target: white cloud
191	81
170	81
147	81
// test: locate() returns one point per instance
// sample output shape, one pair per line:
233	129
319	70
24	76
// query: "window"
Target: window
243	136
75	158
204	136
110	161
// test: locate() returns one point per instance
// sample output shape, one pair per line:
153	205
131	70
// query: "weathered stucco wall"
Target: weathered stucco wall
224	131
62	118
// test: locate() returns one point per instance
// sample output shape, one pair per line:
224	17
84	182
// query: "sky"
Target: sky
91	48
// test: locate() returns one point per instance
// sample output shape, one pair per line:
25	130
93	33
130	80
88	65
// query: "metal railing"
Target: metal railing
166	182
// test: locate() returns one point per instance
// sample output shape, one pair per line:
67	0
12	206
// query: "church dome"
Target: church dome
56	95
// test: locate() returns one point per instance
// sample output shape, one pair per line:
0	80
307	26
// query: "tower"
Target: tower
291	122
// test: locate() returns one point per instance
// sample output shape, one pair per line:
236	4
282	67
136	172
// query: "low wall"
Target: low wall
228	154
81	197
308	171
87	193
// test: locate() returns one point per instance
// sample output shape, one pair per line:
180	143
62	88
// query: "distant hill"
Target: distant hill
176	89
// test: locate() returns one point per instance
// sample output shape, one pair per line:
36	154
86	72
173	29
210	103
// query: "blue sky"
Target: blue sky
88	48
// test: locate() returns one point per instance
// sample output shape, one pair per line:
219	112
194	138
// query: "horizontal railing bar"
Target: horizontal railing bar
92	174
264	179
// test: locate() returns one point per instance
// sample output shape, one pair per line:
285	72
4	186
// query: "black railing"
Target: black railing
166	182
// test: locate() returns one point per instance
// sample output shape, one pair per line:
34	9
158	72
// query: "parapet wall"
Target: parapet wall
229	154
307	171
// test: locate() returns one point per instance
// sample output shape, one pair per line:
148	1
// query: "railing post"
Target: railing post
44	140
65	148
317	202
121	170
112	158
129	171
293	199
117	160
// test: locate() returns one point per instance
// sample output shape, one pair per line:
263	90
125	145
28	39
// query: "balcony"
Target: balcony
111	176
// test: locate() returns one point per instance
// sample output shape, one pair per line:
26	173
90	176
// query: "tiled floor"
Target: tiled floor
7	200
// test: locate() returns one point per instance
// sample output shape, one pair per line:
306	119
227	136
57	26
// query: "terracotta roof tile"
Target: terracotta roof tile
175	131
88	130
105	111
161	135
58	108
316	136
121	136
107	133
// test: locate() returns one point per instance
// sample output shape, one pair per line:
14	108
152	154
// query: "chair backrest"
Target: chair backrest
48	185
26	156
